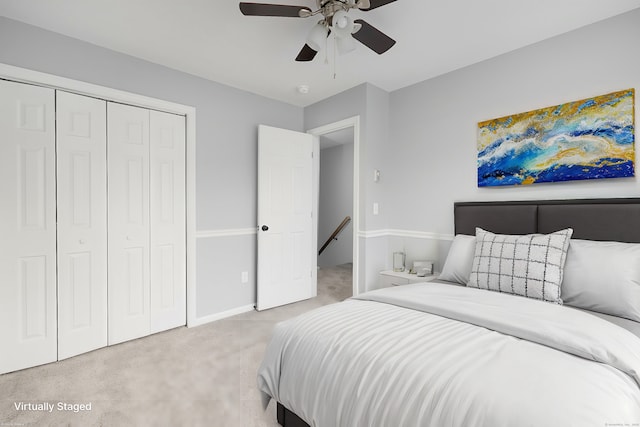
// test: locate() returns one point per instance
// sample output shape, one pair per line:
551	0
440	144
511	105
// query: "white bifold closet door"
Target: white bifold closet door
168	221
82	223
146	197
27	226
129	229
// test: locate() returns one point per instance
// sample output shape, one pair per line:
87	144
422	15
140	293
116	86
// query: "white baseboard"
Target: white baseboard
223	315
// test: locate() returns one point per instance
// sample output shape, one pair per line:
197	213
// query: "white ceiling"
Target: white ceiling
212	39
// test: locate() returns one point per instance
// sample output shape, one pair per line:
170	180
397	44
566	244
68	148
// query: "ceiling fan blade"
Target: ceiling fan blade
373	38
306	54
264	9
373	4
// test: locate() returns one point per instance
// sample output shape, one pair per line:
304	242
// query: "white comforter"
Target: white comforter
397	357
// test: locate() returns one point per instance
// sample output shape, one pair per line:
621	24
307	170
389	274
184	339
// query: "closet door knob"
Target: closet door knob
81	241
265	228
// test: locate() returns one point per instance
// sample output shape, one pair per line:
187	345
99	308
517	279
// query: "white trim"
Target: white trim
419	234
315	213
332	127
191	219
226	232
373	233
222	315
24	75
89	89
390	232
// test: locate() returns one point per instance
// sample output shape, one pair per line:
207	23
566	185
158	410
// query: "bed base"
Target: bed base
286	418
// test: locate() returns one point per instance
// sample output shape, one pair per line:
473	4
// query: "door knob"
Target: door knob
265	228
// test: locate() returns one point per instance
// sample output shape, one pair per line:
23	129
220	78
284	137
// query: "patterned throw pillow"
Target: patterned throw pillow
529	265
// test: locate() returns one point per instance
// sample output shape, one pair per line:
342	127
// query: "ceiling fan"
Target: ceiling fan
335	19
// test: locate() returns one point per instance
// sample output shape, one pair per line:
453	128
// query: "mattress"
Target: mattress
445	355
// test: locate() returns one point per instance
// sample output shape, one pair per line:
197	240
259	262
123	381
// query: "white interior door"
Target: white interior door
168	232
27	226
286	253
82	223
128	219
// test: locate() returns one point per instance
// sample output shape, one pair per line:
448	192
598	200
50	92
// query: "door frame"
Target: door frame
23	75
351	122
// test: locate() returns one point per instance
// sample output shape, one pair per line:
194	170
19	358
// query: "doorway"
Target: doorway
336	195
335	210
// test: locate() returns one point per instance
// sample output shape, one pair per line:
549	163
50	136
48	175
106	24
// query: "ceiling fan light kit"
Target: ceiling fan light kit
335	20
317	36
345	44
342	23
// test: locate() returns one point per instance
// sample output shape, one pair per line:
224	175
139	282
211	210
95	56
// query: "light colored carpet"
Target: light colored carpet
202	376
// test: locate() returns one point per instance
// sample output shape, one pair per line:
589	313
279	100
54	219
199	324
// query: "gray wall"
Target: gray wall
335	202
433	123
422	138
227	121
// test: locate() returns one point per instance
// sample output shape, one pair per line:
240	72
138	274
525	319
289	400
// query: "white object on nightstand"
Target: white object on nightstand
397	278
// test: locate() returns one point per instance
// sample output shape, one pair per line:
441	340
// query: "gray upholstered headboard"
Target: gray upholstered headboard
592	219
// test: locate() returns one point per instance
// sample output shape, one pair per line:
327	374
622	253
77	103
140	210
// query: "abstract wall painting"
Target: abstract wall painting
587	139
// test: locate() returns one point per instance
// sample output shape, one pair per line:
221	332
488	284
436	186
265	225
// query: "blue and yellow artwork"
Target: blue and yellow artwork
588	139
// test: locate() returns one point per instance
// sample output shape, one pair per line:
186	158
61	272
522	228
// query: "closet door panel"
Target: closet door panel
128	200
168	232
27	226
82	223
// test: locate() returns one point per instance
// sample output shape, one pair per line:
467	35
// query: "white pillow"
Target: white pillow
603	277
457	266
530	265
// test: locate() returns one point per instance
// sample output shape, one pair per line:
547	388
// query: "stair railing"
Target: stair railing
334	235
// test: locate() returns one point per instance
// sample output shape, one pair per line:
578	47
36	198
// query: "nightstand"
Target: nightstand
397	278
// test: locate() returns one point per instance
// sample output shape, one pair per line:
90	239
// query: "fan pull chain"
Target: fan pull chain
335	48
326	51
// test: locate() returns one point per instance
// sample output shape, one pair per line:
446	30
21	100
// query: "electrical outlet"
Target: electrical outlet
244	277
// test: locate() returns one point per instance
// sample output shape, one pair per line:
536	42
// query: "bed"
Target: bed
487	345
